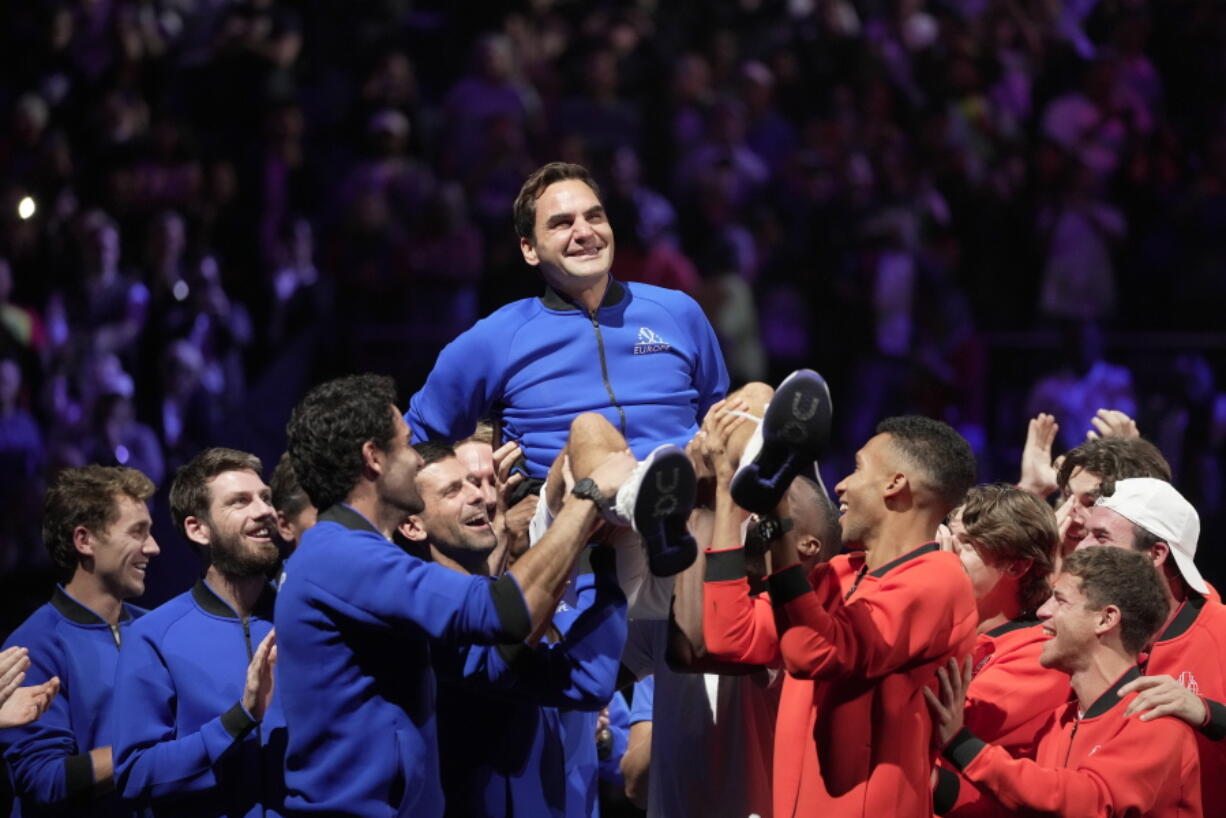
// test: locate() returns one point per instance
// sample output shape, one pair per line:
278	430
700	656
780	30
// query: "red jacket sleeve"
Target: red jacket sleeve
920	610
736	626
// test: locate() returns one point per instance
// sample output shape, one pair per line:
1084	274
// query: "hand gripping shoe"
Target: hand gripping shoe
656	501
791	436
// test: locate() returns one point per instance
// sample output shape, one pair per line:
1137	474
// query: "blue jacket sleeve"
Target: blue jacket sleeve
711	374
47	766
385	586
151	760
579	671
465	382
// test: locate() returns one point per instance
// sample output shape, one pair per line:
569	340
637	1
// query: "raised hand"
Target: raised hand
1112	423
258	691
1038	472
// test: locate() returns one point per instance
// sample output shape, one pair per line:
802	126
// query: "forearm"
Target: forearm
103	768
636	763
543	571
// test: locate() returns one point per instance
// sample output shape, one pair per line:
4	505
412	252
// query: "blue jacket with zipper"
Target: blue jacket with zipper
184	744
49	758
647	360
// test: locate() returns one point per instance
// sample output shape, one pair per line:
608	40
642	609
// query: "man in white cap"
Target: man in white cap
1186	671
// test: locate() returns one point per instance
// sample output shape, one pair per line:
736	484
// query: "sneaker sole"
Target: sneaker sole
794	430
662	511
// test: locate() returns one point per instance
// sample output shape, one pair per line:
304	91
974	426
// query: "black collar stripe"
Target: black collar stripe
1111	697
554	300
1012	625
1184	619
212	604
345	516
907	557
79	614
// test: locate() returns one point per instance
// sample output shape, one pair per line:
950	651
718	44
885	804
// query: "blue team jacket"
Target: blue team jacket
355	617
647	360
49	759
183	742
502	711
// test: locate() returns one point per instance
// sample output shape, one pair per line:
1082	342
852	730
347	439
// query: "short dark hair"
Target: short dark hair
1005	524
287	494
327	428
524	209
1112	459
484	433
1127	580
825	515
432	451
938	450
86	496
189	493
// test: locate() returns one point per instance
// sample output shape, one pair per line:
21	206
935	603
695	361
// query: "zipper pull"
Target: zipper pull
115	635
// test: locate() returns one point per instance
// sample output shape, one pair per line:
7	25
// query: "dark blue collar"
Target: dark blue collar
555	300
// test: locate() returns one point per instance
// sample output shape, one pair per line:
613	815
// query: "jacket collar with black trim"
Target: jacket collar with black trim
554	300
1012	625
348	517
209	602
1111	697
927	548
80	614
1184	618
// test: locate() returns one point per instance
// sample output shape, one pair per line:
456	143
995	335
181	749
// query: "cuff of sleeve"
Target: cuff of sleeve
78	776
945	795
516	655
1215	727
237	721
512	609
963	748
725	565
788	584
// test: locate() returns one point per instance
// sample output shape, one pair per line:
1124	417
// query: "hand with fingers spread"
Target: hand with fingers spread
1112	423
1038	472
26	704
257	694
948	710
508	521
1164	696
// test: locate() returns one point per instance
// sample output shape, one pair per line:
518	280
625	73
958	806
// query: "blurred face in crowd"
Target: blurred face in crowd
478	458
240	531
572	240
121	553
1083	487
454	518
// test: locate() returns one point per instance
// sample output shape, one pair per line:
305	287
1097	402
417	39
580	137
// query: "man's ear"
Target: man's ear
372	460
1161	553
1018	568
1109	617
284	528
528	249
197	530
83	541
412	529
808	547
897	484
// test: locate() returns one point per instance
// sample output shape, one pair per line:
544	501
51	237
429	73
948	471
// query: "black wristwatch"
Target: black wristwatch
588	490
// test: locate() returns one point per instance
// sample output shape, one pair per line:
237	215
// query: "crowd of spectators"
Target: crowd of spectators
205	205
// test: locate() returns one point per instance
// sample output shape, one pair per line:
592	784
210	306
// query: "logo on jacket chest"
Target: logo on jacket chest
649	342
1189	681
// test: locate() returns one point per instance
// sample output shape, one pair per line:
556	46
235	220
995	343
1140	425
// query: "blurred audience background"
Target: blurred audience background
972	209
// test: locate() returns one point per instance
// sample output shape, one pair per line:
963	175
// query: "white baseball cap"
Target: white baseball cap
1157	507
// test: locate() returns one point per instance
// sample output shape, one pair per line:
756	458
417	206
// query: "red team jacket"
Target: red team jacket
854	737
1192	649
1098	764
1010	698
